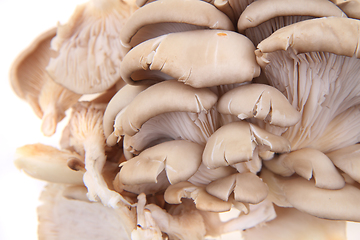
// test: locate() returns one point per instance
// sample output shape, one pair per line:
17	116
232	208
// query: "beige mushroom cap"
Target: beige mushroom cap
200	58
259	101
351	8
348	160
203	200
335	35
167	96
295	225
48	163
119	101
341	204
308	163
179	158
247	188
235	142
31	82
165	16
262	10
89	50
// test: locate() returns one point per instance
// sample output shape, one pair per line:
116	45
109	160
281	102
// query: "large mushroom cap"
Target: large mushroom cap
165	16
167	96
262	10
201	58
332	34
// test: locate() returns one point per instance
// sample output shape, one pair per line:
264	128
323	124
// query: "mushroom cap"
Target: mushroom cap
341	204
28	86
201	58
332	34
247	188
47	163
262	10
351	8
235	142
171	156
290	223
259	101
165	16
203	200
167	96
64	216
308	163
89	50
348	160
118	102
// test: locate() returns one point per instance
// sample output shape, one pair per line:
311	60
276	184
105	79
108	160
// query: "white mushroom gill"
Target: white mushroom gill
192	135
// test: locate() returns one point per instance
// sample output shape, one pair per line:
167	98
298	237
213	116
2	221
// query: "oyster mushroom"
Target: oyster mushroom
341	204
31	82
261	18
166	16
48	163
87	138
89	53
320	69
200	58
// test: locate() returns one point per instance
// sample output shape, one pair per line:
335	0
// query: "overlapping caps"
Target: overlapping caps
205	107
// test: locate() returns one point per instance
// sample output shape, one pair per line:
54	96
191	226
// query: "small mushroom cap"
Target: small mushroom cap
335	35
201	58
167	96
247	188
348	160
203	200
262	10
180	159
308	163
165	16
259	101
47	163
341	204
235	142
119	101
89	50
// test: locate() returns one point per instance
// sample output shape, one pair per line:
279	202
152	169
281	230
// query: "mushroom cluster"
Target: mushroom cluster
210	118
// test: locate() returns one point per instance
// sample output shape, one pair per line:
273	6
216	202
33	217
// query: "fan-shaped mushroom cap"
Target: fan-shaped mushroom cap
165	16
32	83
259	101
262	10
332	34
167	96
119	101
348	160
235	142
203	200
89	50
179	158
341	204
308	163
247	188
293	224
47	163
64	217
201	58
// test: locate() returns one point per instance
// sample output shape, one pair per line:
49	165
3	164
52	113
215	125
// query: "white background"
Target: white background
20	23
